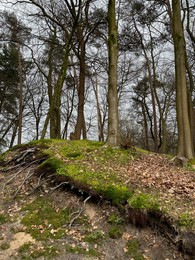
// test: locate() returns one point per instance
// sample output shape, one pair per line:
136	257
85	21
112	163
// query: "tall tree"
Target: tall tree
15	34
185	147
113	115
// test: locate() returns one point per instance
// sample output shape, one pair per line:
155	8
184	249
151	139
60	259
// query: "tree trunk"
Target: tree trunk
99	115
113	117
43	133
184	134
20	96
55	111
80	124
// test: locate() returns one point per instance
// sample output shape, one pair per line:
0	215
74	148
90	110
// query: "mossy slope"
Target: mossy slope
97	169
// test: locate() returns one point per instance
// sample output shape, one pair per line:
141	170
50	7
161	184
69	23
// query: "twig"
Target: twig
79	212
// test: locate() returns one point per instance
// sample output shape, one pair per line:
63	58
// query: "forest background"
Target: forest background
55	72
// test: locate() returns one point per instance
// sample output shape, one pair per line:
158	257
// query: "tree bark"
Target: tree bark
185	148
113	117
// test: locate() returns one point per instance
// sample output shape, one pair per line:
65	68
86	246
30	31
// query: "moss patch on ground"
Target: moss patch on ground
87	162
44	221
133	250
3	218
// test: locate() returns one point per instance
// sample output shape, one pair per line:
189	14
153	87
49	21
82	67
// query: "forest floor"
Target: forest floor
40	219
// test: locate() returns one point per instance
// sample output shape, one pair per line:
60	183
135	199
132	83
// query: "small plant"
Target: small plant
95	236
4	246
133	249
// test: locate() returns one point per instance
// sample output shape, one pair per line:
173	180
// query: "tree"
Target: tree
9	81
14	34
113	117
185	147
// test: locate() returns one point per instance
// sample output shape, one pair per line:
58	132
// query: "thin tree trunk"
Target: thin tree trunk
80	124
45	126
13	135
20	96
99	115
113	117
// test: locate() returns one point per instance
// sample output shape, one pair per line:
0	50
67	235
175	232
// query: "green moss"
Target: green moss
82	251
48	252
113	189
74	155
191	164
4	246
116	232
52	164
31	251
25	248
3	218
133	249
143	201
94	237
115	219
185	220
43	221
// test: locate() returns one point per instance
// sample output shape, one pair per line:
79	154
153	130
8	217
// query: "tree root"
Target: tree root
78	212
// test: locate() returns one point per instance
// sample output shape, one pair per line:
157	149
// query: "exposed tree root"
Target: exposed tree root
79	212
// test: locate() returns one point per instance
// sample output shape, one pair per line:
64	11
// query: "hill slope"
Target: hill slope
141	188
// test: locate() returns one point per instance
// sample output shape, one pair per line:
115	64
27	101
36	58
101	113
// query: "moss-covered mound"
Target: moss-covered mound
99	170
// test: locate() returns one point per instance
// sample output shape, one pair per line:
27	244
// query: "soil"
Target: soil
14	194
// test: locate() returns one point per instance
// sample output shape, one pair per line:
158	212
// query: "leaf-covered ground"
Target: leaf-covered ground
87	225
